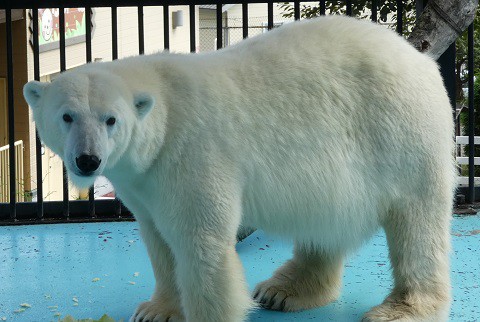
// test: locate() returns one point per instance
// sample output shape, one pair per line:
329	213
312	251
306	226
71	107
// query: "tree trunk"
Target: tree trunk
441	23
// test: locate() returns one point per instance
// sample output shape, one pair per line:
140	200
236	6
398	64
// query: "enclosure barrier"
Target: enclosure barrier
16	211
5	172
463	181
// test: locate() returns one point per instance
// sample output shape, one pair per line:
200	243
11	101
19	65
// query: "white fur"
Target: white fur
321	131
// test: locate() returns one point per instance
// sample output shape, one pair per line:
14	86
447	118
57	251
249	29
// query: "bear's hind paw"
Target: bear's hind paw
393	309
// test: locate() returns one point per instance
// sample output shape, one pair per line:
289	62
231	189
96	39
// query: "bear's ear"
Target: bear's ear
143	102
33	91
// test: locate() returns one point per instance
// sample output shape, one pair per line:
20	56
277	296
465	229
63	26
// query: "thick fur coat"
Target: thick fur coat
321	131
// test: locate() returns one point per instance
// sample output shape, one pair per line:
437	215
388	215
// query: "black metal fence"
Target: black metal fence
41	211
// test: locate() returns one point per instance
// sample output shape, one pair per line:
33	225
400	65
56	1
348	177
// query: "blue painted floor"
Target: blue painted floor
86	270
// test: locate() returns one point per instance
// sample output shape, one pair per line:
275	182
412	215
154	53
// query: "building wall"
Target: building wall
207	30
20	77
127	38
233	33
3	111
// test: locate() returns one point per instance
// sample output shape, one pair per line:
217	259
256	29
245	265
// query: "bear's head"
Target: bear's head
86	117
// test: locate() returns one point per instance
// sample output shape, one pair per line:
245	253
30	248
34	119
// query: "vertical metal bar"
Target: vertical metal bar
114	14
419	6
61	31
88	33
118	207
117	203
63	67
245	19
471	118
114	34
447	69
296	10
38	144
91	203
270	15
193	41
11	113
219	26
141	32
374	10
322	7
166	28
400	17
349	7
66	206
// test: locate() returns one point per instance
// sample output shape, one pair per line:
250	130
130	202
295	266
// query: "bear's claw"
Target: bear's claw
272	299
156	311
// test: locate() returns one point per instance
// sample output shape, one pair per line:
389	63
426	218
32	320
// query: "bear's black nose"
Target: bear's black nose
87	163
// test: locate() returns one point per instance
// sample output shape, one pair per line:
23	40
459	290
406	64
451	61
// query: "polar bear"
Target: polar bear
322	131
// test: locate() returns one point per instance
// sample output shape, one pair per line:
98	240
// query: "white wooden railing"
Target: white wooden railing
463	140
5	172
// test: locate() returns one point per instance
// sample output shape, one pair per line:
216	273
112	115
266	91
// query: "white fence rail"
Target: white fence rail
5	172
463	140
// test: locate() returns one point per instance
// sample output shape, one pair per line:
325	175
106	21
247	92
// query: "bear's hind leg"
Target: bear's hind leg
419	242
164	304
310	279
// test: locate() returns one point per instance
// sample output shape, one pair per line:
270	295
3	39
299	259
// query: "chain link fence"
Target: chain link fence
232	31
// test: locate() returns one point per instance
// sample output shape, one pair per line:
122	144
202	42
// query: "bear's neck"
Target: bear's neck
128	180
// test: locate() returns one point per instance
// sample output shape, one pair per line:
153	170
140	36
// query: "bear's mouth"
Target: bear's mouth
83	180
85	174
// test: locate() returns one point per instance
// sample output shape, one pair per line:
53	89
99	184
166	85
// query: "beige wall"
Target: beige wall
3	112
20	78
255	10
101	49
52	170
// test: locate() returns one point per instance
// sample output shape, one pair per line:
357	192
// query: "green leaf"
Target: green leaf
104	318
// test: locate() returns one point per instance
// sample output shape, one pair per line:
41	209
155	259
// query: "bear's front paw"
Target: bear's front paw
157	311
284	295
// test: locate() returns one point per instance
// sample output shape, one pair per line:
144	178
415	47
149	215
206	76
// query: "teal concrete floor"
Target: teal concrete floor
86	270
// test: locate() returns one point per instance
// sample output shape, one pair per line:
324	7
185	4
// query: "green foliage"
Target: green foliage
361	9
388	9
462	58
104	318
461	72
464	120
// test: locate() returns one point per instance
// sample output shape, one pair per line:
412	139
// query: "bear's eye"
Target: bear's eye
67	118
111	121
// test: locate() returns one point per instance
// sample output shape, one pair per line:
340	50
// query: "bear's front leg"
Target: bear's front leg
164	304
208	270
211	280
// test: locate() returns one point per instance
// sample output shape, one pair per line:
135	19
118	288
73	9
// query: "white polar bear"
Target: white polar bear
322	131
